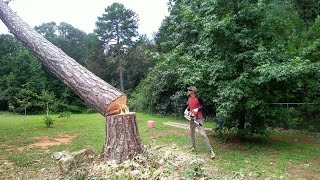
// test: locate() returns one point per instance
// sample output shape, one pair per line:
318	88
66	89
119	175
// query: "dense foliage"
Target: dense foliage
242	55
21	75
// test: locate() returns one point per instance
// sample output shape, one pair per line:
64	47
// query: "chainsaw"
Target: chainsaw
191	117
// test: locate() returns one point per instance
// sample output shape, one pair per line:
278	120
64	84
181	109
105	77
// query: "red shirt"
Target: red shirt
193	104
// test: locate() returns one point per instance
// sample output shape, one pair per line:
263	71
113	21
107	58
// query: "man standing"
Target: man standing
195	107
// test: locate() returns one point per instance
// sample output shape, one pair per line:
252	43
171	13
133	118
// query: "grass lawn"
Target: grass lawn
285	154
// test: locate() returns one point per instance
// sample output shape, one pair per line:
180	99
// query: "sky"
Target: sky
83	14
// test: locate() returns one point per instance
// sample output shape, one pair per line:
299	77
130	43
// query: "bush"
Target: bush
62	107
223	133
141	99
88	111
65	114
48	121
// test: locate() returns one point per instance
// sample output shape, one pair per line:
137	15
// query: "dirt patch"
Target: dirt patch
308	140
304	171
231	142
44	142
304	139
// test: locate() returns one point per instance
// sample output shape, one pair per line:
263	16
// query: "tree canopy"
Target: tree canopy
116	28
242	56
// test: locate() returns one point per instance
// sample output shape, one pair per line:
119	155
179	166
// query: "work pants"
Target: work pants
202	131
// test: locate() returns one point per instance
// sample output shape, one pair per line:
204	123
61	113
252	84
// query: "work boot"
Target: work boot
212	154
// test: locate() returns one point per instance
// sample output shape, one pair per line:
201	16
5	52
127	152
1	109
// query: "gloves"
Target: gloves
195	111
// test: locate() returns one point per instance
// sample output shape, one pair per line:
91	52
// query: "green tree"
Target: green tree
73	42
242	55
21	77
8	48
25	98
309	10
138	63
96	59
48	30
46	98
116	28
70	39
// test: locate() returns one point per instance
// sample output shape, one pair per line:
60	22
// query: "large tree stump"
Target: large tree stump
122	138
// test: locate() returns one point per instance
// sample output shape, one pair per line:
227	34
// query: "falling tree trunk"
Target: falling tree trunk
97	93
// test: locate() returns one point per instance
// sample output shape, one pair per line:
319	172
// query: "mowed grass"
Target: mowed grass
285	154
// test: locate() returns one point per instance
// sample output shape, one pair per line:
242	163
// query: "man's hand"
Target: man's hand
195	111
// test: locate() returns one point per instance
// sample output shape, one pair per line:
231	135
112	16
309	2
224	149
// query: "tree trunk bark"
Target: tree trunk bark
47	109
122	140
96	92
121	75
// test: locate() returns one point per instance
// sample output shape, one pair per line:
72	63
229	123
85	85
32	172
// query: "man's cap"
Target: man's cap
192	88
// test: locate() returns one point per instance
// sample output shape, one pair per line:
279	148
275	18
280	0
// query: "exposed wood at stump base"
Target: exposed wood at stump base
122	138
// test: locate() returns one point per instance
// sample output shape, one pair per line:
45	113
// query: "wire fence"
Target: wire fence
298	116
301	116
